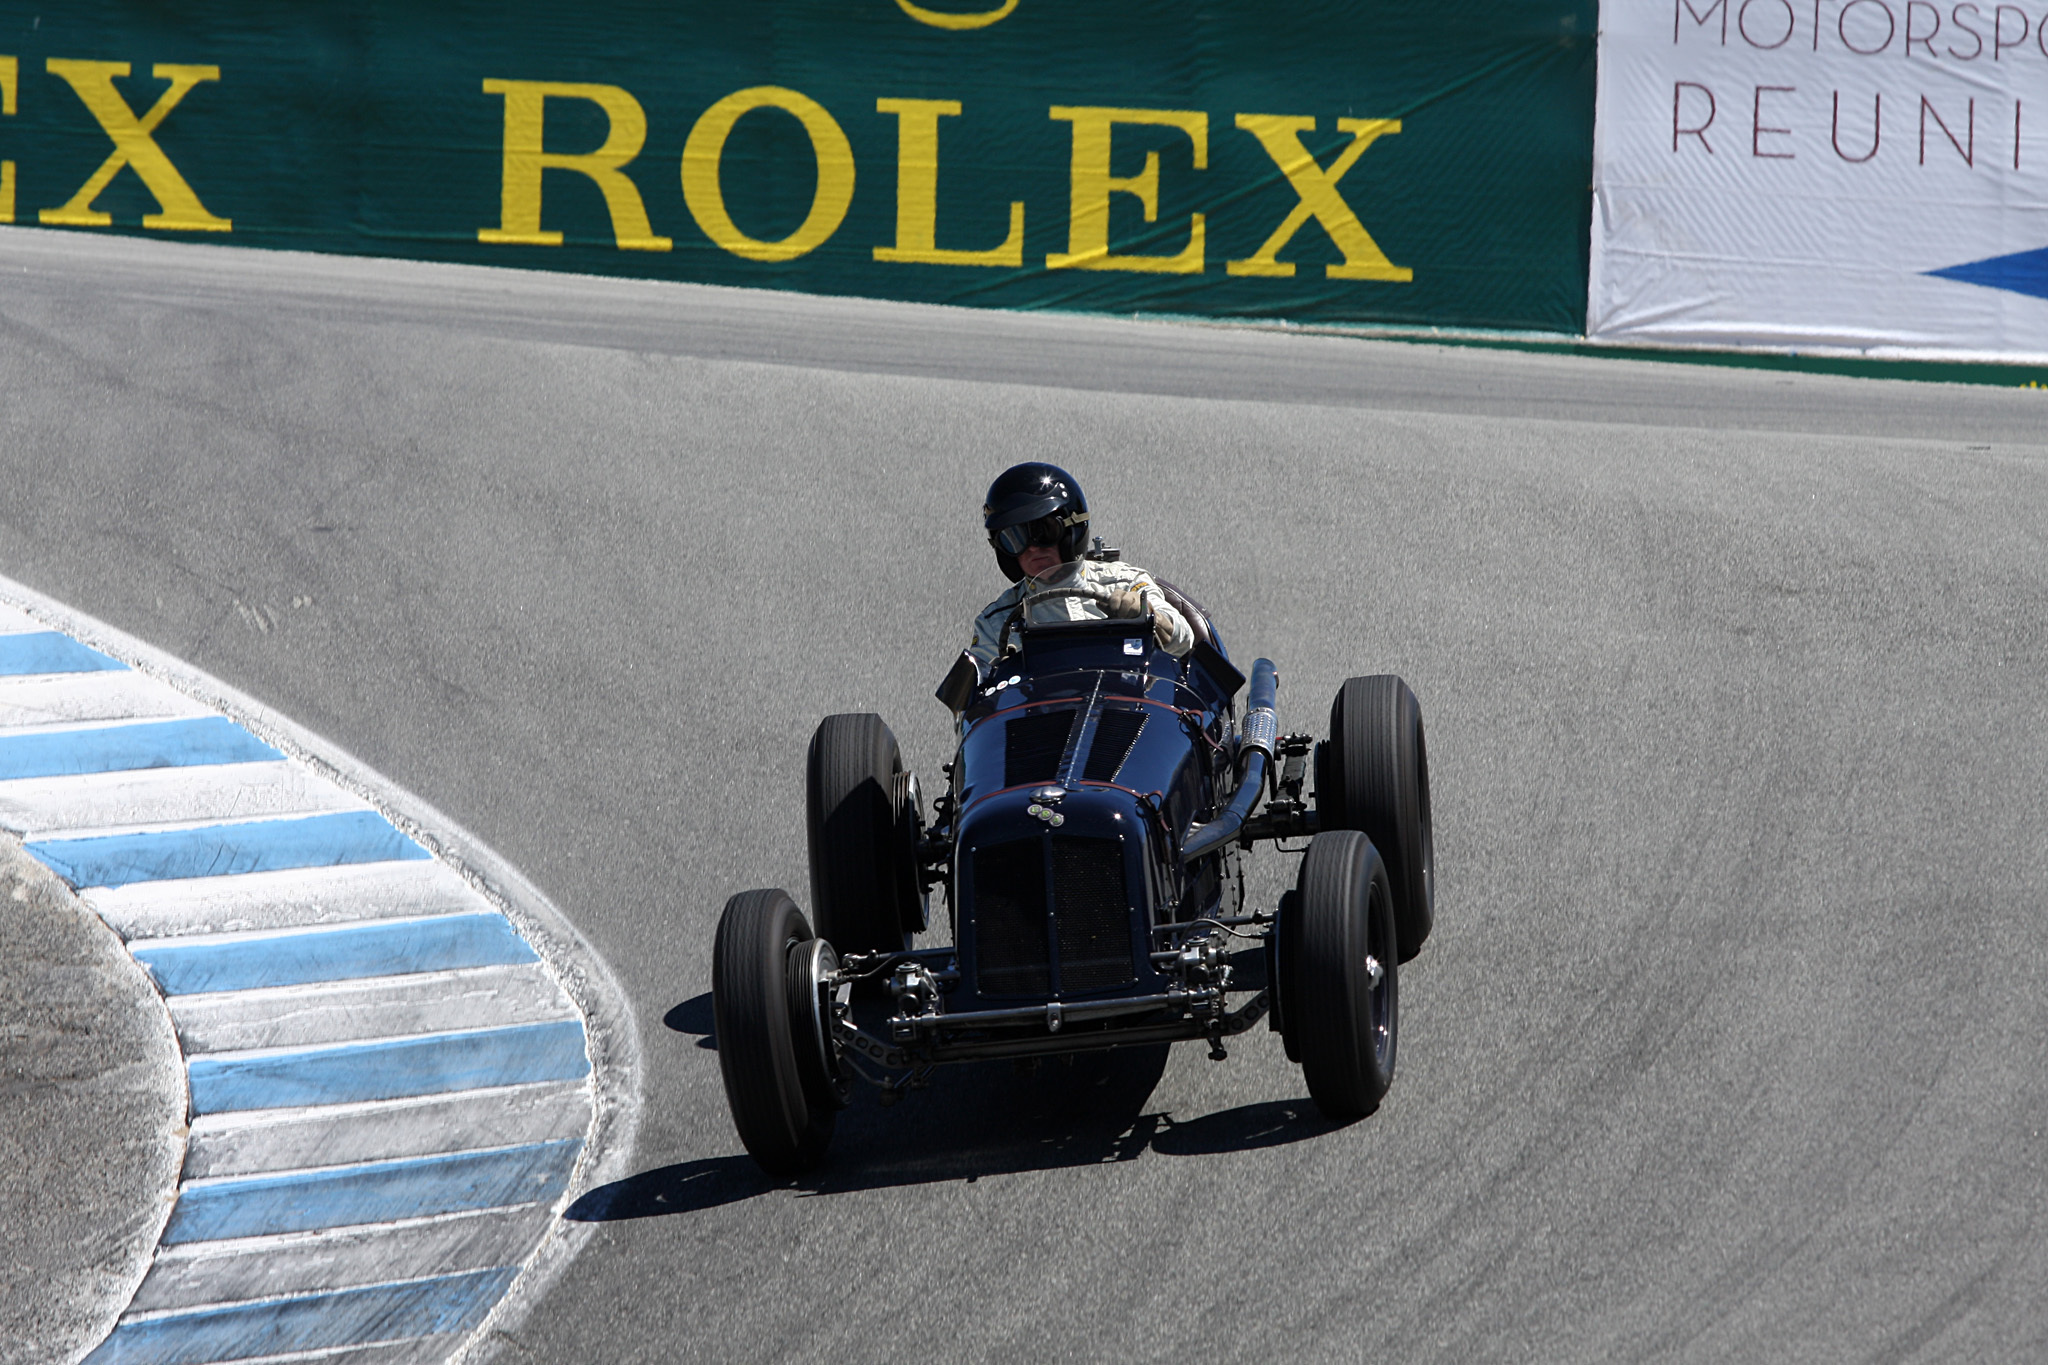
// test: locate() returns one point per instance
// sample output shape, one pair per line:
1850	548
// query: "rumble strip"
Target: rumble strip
391	1092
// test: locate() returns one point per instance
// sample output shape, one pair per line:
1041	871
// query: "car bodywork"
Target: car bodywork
1088	846
1084	844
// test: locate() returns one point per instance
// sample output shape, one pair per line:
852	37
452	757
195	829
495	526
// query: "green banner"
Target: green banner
1353	163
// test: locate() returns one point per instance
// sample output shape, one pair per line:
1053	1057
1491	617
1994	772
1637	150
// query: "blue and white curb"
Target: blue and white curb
401	1061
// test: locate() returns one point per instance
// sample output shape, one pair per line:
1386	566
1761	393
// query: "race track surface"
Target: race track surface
1732	1042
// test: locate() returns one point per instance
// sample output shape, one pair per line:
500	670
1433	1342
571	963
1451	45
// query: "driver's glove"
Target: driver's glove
1126	604
1162	631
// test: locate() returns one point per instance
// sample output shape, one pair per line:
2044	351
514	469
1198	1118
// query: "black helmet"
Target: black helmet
1034	504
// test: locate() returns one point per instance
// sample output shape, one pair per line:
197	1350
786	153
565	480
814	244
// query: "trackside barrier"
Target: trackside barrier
1330	162
1834	177
1867	176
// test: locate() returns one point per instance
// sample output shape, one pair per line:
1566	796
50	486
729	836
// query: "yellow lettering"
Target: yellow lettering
134	146
1316	190
701	190
941	19
1092	184
917	192
525	159
10	72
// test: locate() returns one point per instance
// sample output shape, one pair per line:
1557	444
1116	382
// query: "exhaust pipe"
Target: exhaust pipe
1255	760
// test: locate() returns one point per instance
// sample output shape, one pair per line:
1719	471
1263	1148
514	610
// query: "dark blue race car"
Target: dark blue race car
1089	844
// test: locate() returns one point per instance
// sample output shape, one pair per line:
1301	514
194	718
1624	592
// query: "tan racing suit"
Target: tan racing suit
1112	576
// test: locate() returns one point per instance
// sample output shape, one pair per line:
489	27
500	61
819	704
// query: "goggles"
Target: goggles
1017	539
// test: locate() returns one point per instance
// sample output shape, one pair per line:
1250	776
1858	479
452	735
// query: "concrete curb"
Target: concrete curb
96	1105
608	1034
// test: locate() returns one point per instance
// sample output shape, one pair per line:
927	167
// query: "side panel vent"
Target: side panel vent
1093	913
1115	733
1011	955
1032	746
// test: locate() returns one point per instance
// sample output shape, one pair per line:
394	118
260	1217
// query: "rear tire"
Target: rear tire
863	834
1373	776
783	1116
1342	986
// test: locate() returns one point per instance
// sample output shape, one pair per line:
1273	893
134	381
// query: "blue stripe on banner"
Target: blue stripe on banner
351	836
122	748
390	1069
45	651
379	948
347	1317
374	1193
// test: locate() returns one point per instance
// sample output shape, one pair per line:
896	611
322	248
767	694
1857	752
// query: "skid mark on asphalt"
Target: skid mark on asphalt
389	1090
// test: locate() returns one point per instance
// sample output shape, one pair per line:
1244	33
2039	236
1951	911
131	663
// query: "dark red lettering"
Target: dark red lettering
1891	28
1678	130
1956	15
1757	128
1876	128
1998	42
1968	154
1791	23
1926	40
1700	20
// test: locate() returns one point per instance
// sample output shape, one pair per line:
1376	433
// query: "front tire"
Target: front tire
1373	776
865	889
762	1025
1342	987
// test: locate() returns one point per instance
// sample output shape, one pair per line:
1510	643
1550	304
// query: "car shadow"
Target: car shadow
974	1120
986	1118
1247	1128
693	1016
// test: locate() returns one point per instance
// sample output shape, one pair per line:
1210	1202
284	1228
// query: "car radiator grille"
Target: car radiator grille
1011	951
1093	914
1115	733
1092	925
1032	746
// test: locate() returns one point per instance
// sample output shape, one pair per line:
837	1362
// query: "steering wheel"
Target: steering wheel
1099	596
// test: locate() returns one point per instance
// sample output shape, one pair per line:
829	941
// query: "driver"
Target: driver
1037	523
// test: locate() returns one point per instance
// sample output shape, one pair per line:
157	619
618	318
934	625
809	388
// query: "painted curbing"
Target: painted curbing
402	1061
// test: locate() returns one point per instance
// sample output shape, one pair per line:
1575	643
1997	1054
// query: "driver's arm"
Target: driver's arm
988	630
1170	628
1178	636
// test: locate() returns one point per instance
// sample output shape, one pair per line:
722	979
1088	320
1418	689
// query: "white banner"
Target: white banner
1830	175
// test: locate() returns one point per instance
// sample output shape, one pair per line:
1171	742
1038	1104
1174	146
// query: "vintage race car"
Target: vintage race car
1088	843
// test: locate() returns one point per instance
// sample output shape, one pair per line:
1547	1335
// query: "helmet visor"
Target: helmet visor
1021	537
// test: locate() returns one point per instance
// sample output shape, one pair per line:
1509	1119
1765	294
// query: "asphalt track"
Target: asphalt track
1732	1042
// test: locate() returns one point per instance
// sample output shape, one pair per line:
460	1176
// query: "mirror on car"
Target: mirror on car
960	682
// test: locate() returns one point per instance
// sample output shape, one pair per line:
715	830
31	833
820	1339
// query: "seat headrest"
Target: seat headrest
1188	607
